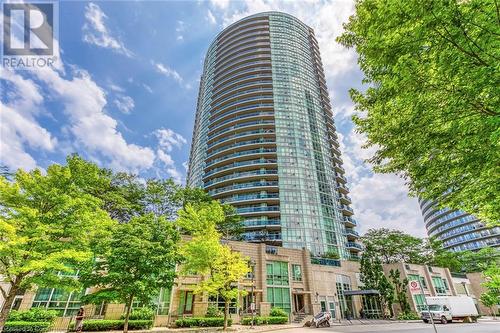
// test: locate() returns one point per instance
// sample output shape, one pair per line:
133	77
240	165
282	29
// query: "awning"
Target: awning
361	292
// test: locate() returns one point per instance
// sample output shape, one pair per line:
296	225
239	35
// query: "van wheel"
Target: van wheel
425	321
444	320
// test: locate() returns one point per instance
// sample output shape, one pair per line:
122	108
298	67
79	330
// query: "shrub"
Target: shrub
113	325
33	315
278	312
264	320
26	327
202	322
408	316
213	312
140	314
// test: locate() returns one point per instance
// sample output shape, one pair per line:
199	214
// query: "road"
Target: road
481	327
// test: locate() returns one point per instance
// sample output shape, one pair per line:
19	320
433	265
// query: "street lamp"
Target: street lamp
252	299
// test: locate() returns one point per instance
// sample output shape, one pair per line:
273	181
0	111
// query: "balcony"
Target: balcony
262	237
349	222
342	188
351	233
354	246
325	261
262	161
243	186
346	210
345	199
241	144
238	175
250	197
261	223
341	178
242	153
339	168
258	209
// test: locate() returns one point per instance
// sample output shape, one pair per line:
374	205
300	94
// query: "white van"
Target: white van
444	309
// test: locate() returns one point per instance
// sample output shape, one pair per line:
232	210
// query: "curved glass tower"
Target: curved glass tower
457	230
264	138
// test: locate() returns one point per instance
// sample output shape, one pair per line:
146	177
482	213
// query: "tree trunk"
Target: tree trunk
127	313
11	295
226	313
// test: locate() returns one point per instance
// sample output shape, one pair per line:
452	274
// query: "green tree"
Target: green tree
205	255
231	227
432	107
490	300
392	246
372	277
135	263
48	223
400	288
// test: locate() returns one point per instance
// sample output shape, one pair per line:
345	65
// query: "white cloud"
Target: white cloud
180	28
168	139
84	102
185	165
97	33
19	128
211	18
167	71
124	103
164	157
222	4
175	175
147	88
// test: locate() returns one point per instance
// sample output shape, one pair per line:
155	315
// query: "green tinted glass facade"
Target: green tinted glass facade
264	138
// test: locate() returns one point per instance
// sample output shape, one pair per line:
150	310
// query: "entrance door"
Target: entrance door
298	303
188	303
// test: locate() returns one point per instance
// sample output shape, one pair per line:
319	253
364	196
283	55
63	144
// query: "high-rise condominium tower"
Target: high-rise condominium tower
458	230
264	138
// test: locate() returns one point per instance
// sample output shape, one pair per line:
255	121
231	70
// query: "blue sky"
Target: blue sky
124	94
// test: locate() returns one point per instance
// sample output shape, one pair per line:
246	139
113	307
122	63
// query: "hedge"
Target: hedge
26	327
202	322
33	315
140	314
93	325
264	320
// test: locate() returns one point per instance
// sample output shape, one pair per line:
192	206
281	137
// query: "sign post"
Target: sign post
416	288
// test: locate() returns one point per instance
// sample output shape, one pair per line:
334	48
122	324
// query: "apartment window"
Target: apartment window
296	272
279	297
416	277
66	303
277	273
419	302
439	285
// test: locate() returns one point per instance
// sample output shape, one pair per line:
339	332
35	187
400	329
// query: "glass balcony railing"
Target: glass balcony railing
351	232
239	73
260	114
244	197
243	163
325	261
241	174
262	237
346	209
349	220
352	245
232	83
242	186
242	153
239	135
230	109
243	210
241	93
253	50
240	144
240	125
261	223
